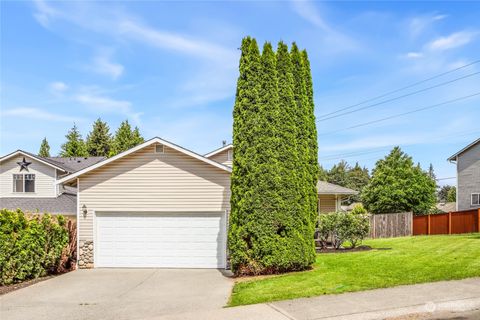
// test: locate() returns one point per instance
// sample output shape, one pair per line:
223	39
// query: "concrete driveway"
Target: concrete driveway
119	294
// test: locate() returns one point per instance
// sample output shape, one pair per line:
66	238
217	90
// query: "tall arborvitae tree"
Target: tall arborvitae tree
272	213
243	121
44	149
311	134
298	228
75	146
99	140
125	138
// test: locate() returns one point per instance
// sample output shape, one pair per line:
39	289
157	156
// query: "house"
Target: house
446	207
154	205
468	176
29	182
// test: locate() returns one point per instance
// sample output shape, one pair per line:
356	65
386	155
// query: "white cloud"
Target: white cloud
102	64
102	104
308	11
454	40
58	87
44	13
414	55
35	113
418	24
331	38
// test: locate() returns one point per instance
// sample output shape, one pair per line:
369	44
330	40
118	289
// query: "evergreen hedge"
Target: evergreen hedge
273	201
29	247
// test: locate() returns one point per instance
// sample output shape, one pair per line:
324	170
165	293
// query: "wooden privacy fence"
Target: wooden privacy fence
391	225
447	223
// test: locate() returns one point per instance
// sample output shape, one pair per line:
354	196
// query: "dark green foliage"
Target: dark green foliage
338	174
29	247
358	178
44	149
452	195
447	194
397	185
125	138
99	140
75	146
271	223
341	227
322	174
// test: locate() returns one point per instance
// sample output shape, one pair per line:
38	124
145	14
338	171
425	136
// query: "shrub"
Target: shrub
29	247
341	227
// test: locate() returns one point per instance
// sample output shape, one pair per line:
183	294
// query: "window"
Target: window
18	183
23	183
230	155
29	183
159	148
475	199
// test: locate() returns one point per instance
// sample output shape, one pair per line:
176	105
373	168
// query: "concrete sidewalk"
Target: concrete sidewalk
455	296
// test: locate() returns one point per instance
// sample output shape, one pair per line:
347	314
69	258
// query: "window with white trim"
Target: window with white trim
230	155
23	183
475	199
159	148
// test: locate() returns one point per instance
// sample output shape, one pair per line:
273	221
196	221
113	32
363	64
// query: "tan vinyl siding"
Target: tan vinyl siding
147	181
222	157
326	203
44	178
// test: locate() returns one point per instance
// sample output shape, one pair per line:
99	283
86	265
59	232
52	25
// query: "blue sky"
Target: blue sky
171	69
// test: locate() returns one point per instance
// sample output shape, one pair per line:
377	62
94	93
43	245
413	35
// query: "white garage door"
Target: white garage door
176	240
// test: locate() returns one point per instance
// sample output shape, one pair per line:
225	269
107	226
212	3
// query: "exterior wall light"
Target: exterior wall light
84	210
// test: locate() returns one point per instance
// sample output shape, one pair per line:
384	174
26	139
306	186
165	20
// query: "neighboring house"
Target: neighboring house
446	206
28	182
468	176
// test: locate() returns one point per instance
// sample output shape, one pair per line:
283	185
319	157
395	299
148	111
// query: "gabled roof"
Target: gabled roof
139	147
67	164
324	187
214	152
454	157
43	160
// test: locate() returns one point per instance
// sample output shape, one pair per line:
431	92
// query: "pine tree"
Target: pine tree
137	137
358	178
44	149
99	140
75	146
125	138
338	174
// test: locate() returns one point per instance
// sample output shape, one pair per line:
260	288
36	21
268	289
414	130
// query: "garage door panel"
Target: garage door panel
171	240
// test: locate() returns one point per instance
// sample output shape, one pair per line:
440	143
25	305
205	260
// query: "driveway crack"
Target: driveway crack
138	284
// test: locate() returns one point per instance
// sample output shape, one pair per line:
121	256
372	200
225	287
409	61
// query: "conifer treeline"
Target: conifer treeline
99	142
275	165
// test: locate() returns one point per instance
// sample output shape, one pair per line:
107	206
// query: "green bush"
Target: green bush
341	227
29	247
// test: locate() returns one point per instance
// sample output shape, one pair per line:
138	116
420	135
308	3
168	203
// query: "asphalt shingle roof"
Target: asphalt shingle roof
63	204
324	187
74	164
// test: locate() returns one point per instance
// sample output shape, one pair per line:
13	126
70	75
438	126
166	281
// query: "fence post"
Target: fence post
478	220
449	223
428	224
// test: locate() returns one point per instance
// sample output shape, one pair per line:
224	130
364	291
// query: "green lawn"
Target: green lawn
409	260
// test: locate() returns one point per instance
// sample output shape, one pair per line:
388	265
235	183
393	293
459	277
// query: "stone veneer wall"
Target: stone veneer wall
85	255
